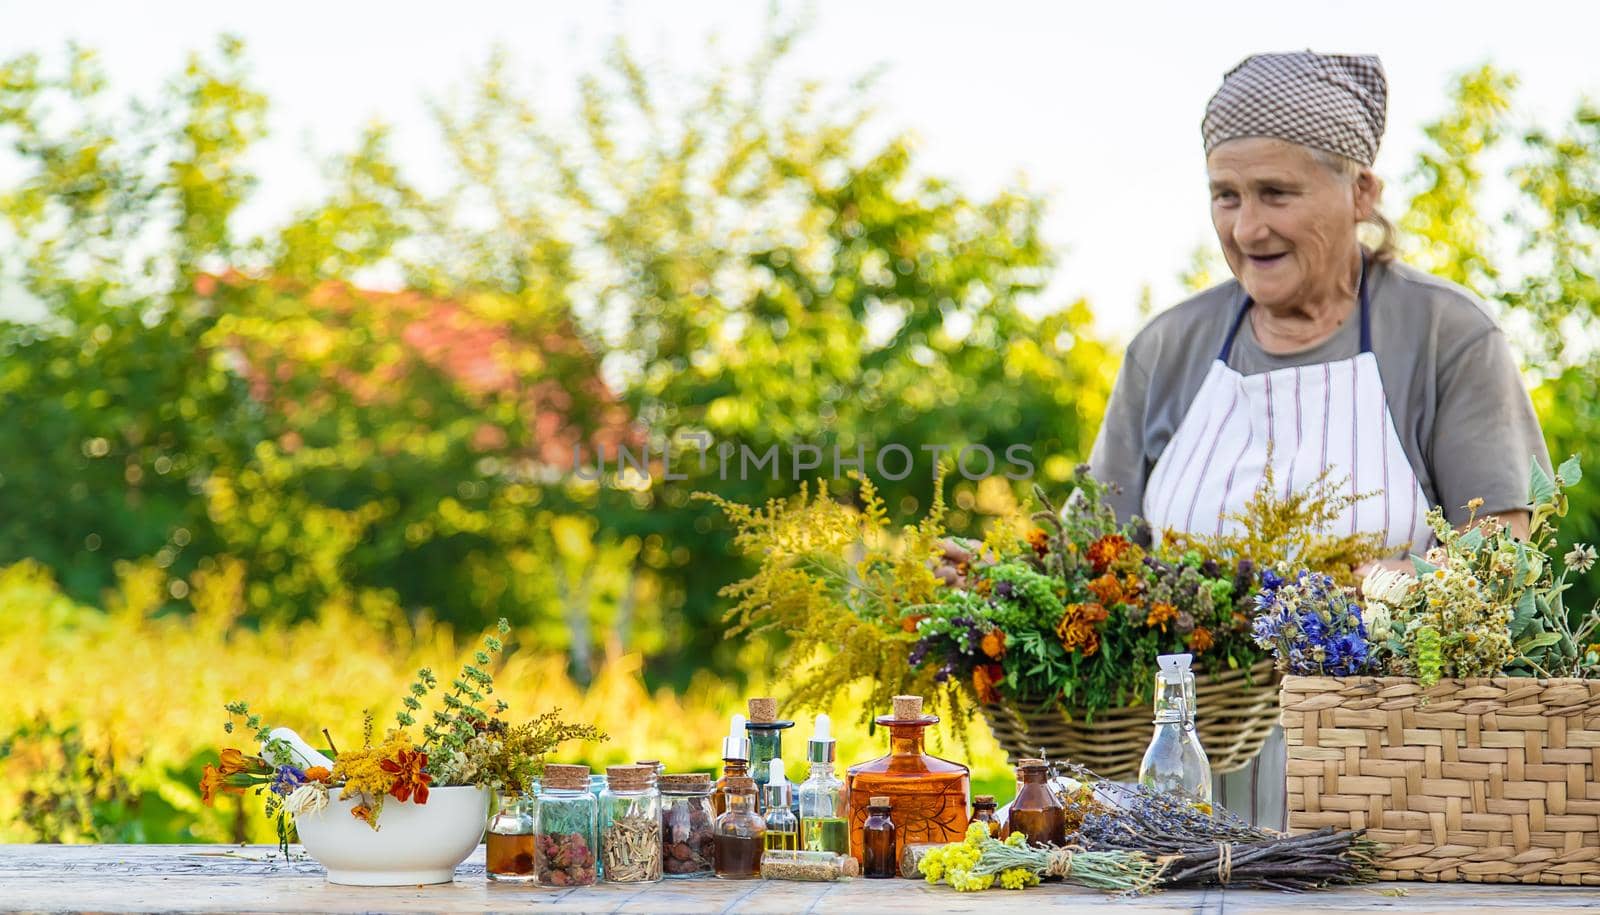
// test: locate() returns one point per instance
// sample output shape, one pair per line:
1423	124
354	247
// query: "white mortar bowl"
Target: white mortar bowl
413	843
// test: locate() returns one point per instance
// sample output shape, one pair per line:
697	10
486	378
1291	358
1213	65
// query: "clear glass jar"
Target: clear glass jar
630	818
508	849
740	832
565	846
687	823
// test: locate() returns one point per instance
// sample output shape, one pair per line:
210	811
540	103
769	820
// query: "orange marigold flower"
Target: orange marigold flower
1200	639
1160	615
364	813
1076	629
1107	589
1132	588
235	761
410	778
1103	552
984	680
909	624
210	783
1039	539
994	643
318	774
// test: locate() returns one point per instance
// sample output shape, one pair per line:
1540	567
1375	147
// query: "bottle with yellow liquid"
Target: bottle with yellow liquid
783	830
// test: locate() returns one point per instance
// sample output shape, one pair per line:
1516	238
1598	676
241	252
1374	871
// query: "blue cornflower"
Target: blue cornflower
286	779
1270	580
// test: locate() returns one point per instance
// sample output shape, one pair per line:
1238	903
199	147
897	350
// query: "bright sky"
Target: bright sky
1097	104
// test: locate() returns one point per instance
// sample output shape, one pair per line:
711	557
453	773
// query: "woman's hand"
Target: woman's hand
953	562
1402	564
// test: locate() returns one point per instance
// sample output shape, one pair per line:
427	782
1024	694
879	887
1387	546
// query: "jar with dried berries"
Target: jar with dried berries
687	840
566	846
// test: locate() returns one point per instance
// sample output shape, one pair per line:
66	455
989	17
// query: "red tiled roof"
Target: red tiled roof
483	357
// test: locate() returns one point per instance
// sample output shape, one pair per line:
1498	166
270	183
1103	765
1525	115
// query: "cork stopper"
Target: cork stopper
878	800
1023	764
763	710
907	708
849	866
741	783
983	800
566	778
685	782
630	778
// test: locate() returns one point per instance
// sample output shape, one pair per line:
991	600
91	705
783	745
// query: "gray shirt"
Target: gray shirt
1457	399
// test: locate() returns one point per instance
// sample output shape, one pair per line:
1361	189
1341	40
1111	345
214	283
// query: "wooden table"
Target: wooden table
212	878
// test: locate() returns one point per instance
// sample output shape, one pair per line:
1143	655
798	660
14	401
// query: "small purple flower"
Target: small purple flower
1270	580
286	779
944	673
1005	590
919	651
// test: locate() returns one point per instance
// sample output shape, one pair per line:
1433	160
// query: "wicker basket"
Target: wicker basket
1236	713
1490	780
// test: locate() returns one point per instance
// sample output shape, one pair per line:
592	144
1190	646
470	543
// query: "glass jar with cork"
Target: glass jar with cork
566	847
929	794
630	818
879	849
687	824
983	811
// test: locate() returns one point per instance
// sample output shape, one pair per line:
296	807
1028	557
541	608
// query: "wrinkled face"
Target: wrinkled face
1286	221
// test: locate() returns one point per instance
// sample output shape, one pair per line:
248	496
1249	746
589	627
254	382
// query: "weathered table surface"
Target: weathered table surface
212	878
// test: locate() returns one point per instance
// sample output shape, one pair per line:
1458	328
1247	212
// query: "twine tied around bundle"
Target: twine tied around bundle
1059	863
1224	862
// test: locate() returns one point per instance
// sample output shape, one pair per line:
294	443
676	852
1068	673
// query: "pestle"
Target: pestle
305	756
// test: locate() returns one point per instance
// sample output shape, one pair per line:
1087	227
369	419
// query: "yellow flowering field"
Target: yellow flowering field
111	713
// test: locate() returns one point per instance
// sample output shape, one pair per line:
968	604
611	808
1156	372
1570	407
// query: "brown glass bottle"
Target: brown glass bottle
1037	812
735	764
879	853
983	811
740	833
929	794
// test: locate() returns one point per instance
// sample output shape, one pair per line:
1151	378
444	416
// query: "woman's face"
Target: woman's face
1286	221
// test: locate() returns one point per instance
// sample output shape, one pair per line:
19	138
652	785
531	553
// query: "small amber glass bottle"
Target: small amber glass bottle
877	841
983	811
739	834
735	764
1037	812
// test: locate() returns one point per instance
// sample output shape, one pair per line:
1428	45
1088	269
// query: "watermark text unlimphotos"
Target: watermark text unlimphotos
736	461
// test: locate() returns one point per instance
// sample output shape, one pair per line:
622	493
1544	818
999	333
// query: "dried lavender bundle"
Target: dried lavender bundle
1216	848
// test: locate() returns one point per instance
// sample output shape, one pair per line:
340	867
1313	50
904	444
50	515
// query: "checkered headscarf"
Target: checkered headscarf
1332	102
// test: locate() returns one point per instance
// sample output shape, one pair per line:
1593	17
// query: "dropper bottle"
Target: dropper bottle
1175	762
783	830
765	730
823	826
735	763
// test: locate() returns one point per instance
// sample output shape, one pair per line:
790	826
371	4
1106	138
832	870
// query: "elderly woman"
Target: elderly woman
1321	354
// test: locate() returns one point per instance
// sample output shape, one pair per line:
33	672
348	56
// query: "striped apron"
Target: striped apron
1303	421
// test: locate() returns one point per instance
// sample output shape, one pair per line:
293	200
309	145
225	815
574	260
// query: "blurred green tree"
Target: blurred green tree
1552	302
740	260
